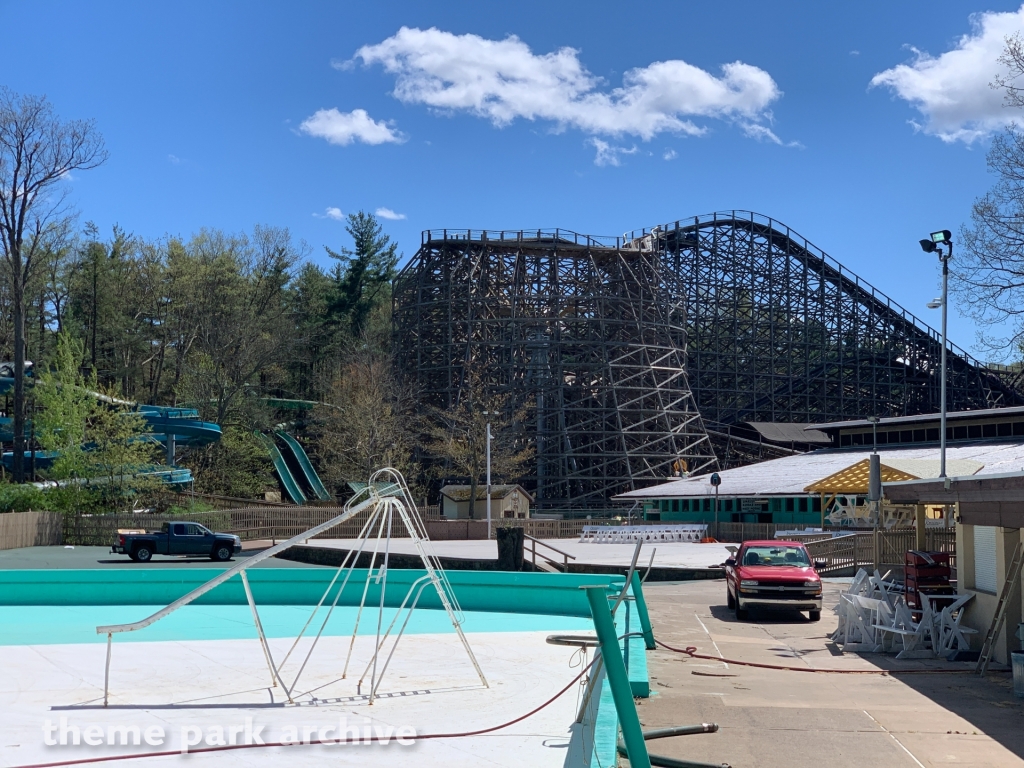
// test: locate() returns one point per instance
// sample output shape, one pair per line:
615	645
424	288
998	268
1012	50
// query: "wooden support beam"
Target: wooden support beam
919	527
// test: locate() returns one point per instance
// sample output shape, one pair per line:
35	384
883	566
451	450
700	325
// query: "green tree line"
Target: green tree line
229	324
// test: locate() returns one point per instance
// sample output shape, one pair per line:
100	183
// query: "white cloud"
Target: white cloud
607	154
330	213
670	154
952	91
387	213
174	159
345	127
503	80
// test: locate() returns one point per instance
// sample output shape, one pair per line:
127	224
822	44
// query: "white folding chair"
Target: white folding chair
860	625
952	634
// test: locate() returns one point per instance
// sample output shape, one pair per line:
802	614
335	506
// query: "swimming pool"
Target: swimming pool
55	624
57	611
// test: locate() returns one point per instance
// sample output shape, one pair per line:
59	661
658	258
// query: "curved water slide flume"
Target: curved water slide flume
288	481
169	425
389	501
302	459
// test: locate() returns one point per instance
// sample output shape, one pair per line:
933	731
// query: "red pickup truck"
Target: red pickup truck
772	574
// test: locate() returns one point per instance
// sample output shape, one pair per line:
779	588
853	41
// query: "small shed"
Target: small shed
507	501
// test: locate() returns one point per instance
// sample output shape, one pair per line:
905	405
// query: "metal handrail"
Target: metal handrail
545	544
239	567
566	557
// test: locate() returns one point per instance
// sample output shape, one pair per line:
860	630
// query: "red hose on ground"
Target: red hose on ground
373	739
691	651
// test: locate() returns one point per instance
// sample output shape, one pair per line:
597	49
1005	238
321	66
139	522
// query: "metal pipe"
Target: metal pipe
422	583
383	581
106	670
680	730
625	640
362	600
394	646
259	630
672	762
641	612
618	681
629	576
592	680
352	554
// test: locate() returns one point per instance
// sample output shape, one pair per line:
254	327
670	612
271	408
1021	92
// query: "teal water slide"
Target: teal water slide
170	426
313	481
288	481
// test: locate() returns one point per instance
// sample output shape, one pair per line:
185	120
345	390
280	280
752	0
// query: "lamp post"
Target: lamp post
488	480
934	245
716	480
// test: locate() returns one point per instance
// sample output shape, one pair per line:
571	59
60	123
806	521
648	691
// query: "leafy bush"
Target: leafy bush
22	498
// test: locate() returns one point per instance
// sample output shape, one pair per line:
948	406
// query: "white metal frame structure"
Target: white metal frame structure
387	497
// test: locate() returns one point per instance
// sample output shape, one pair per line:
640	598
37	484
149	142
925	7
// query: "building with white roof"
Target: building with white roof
776	491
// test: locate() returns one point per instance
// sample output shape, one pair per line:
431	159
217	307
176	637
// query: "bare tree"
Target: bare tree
37	152
1010	81
457	437
369	420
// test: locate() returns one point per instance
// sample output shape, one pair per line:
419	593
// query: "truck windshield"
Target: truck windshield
796	556
165	528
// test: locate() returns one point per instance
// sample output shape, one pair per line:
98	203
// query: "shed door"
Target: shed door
985	558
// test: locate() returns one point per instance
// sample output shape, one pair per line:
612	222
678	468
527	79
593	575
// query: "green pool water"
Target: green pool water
58	624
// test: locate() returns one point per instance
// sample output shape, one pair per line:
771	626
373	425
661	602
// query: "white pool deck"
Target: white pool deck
668	554
220	683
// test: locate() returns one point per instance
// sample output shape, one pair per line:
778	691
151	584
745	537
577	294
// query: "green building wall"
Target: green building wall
798	510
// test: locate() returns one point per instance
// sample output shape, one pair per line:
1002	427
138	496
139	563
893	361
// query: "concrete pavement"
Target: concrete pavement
785	718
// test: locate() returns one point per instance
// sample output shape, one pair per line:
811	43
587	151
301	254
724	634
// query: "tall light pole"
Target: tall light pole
488	480
934	245
716	481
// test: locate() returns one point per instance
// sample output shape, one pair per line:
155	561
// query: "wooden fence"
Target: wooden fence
251	523
274	522
843	555
738	532
101	530
30	529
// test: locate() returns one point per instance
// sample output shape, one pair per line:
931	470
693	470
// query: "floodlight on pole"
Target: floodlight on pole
934	245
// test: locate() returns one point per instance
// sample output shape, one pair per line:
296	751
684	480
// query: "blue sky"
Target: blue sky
599	117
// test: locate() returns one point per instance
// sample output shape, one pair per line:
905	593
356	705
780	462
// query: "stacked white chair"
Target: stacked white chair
872	617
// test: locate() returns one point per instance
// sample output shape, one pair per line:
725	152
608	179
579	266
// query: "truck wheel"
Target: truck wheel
142	554
729	599
814	615
742	614
221	552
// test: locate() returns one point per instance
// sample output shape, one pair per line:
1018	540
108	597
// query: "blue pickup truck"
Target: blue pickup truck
177	539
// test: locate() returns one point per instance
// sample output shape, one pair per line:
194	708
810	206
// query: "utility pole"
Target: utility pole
488	480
